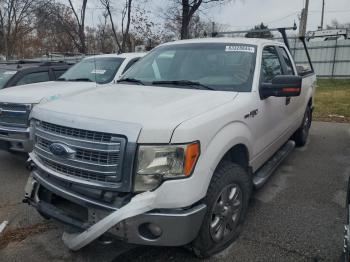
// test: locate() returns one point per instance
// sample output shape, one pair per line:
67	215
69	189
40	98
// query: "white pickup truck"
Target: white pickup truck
16	103
170	156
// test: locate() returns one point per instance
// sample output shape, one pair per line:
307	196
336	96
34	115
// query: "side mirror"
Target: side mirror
282	86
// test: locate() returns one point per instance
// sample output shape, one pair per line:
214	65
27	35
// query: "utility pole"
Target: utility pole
322	18
303	19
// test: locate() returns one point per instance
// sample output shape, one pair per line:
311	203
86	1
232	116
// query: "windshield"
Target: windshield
5	76
99	70
217	66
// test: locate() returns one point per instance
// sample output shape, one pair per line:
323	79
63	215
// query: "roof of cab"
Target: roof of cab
123	55
238	40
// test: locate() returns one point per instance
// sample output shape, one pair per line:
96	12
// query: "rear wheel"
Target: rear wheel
301	135
227	202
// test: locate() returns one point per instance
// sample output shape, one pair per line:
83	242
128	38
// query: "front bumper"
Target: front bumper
16	138
161	227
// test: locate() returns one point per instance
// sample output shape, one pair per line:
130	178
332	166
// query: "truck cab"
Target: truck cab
170	157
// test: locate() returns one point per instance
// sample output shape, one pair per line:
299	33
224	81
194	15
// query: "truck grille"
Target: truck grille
77	133
14	114
97	156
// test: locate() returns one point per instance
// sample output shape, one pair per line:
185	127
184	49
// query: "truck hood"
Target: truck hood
41	92
157	111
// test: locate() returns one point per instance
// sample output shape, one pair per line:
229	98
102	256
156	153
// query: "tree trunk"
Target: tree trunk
185	19
126	34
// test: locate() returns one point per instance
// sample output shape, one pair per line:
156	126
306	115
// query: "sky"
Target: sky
244	14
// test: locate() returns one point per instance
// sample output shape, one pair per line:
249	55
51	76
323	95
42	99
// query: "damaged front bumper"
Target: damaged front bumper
139	221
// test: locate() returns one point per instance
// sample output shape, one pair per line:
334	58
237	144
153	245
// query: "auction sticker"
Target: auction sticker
98	71
240	48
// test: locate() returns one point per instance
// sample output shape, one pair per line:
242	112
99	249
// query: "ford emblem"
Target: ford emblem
61	150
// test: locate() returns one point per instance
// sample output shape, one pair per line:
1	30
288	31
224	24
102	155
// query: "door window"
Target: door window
271	65
34	78
59	72
287	61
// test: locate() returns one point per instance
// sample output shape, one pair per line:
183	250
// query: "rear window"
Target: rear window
5	76
35	77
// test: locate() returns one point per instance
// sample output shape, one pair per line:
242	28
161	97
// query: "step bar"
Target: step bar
261	176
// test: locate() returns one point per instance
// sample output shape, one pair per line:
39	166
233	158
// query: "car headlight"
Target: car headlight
158	163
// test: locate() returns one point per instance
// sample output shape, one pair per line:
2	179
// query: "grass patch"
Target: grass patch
332	101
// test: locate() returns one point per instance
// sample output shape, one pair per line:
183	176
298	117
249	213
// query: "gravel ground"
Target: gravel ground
297	216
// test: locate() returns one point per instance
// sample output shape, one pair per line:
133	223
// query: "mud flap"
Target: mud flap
138	205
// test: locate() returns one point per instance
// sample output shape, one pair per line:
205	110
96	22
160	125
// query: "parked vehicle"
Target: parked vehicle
346	246
27	72
16	103
171	156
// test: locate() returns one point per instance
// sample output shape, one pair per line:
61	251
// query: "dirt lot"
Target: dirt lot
297	216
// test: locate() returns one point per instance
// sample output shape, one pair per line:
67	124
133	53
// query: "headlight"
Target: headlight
158	163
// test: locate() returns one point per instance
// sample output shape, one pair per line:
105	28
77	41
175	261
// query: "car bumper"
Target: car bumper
15	139
161	227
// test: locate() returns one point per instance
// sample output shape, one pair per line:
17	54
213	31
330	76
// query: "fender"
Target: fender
180	193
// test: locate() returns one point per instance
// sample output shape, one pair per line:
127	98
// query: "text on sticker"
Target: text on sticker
240	48
98	71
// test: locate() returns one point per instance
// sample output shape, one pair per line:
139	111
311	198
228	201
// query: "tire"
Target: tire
227	202
301	135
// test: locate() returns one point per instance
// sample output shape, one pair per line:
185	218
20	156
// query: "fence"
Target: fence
330	58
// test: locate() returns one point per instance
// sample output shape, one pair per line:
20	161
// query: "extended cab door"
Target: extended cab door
294	108
270	124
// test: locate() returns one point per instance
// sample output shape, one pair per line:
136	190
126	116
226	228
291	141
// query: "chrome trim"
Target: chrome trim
13	114
13	111
58	138
16	130
97	184
79	165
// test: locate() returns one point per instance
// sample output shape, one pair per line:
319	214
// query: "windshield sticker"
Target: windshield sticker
98	71
240	48
10	72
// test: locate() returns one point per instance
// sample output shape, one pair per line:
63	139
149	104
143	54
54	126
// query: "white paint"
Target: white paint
3	226
174	115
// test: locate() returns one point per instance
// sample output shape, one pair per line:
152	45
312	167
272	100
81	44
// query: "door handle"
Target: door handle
288	100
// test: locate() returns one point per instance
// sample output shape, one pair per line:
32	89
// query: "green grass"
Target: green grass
332	101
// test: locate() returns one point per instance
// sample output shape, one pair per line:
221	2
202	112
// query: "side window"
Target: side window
271	65
130	64
34	78
59	72
288	62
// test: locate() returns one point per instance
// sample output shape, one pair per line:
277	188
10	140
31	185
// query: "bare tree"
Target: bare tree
125	23
188	9
80	20
15	22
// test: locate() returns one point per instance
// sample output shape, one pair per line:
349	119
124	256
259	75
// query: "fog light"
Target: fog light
150	231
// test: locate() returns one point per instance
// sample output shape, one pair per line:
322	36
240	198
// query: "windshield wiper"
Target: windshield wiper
131	80
61	79
183	83
80	79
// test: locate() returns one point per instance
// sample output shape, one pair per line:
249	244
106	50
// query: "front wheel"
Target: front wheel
301	135
227	202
